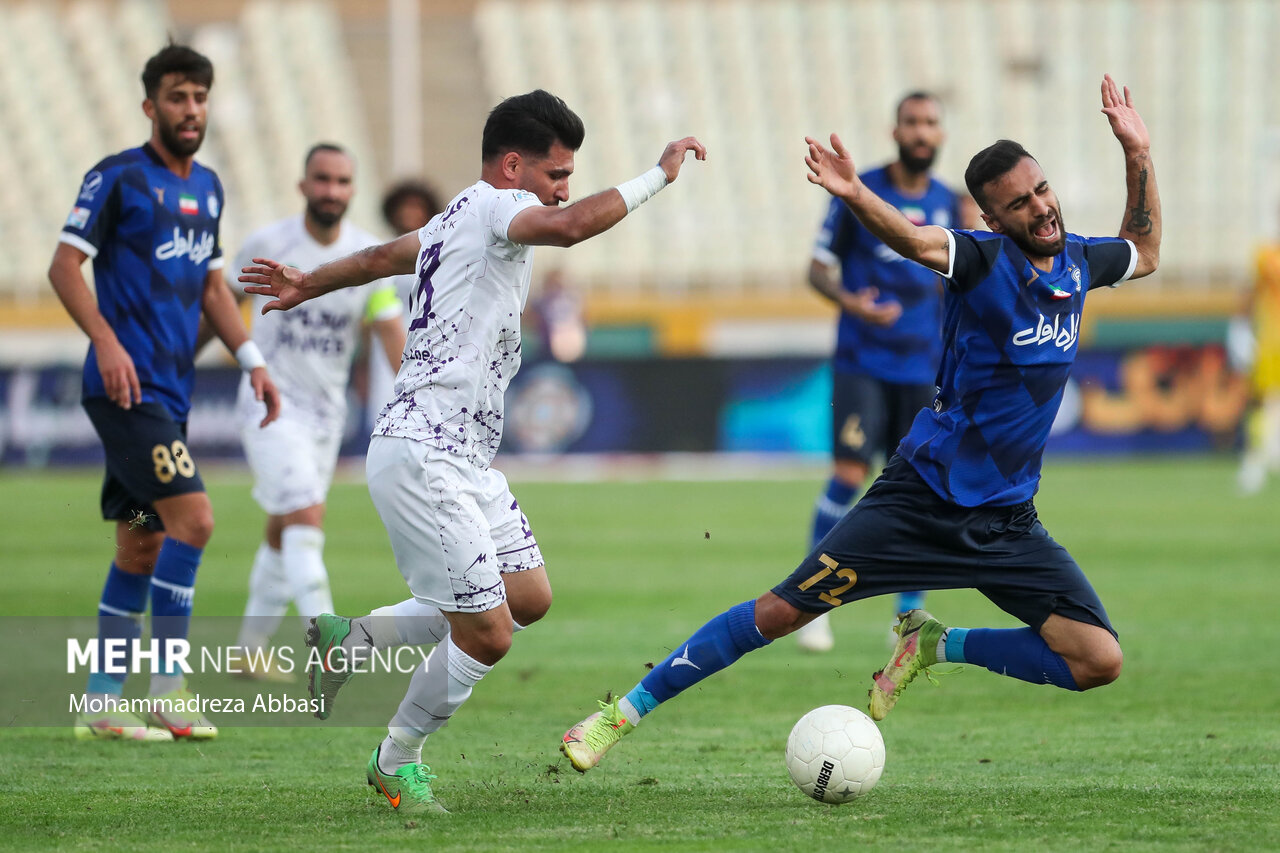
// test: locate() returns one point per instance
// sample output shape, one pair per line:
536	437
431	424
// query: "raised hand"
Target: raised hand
1126	124
272	278
673	156
833	170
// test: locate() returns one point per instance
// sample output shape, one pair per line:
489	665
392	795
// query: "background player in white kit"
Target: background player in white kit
309	351
459	537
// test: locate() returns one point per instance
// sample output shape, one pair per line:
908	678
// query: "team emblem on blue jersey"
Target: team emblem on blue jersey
92	183
212	201
187	204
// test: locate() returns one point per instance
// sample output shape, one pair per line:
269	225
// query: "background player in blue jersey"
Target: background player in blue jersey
149	218
953	507
889	338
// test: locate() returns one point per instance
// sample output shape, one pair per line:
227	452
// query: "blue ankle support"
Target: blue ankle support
124	601
1017	652
712	647
830	507
172	590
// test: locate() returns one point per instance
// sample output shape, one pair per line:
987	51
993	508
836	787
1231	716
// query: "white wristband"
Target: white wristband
637	191
249	356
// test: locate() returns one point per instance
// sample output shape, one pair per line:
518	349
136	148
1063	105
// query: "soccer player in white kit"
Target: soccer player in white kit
460	540
310	352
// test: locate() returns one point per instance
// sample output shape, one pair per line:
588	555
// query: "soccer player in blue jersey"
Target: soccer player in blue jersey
953	508
889	339
148	217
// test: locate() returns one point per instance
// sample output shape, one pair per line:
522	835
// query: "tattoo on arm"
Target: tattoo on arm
1140	215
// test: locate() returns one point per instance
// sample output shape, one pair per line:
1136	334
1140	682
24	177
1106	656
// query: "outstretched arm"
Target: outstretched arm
292	286
565	226
1142	223
220	309
833	170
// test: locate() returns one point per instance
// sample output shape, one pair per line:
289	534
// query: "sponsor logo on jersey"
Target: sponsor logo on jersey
92	183
1061	335
187	204
78	218
212	201
198	249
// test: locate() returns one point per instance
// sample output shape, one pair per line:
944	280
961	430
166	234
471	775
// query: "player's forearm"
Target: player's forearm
569	225
383	261
223	314
885	221
1142	223
73	291
392	337
821	280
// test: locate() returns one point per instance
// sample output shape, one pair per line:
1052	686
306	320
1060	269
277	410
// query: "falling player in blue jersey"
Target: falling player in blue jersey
889	339
149	218
953	508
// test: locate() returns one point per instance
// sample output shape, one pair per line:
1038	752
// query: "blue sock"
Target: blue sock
172	589
124	600
1017	652
712	647
910	601
830	507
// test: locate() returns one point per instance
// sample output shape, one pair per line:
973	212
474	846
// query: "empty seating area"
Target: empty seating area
70	91
749	77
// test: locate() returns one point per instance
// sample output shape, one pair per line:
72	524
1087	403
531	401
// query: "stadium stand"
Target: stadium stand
750	77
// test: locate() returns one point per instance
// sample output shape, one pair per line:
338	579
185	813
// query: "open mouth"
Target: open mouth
1047	232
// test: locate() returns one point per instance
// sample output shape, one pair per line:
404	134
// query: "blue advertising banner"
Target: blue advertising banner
1146	399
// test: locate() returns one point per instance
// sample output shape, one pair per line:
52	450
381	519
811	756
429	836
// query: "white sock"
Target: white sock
302	550
268	599
162	684
628	711
408	623
400	747
439	686
942	646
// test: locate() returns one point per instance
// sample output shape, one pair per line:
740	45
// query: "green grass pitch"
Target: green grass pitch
1183	753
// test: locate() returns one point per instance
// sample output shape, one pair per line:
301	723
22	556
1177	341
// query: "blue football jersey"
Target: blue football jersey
1010	333
908	351
153	237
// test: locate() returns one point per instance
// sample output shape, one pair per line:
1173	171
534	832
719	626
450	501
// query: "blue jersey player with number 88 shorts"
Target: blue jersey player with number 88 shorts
149	218
953	508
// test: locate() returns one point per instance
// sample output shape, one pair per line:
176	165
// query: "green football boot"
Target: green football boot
408	790
118	725
916	651
587	742
325	635
177	712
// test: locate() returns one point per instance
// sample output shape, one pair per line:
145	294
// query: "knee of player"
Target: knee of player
1101	668
775	617
197	527
530	608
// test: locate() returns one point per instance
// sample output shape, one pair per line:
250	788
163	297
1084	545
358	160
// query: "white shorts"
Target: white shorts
292	463
454	529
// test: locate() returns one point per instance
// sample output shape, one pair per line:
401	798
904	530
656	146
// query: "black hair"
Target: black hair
401	191
991	163
530	124
917	95
324	146
176	59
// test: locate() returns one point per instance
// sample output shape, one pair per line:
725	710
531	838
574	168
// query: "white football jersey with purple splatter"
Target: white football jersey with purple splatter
463	346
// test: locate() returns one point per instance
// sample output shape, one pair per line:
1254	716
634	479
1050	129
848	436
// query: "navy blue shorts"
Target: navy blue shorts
870	416
147	459
902	537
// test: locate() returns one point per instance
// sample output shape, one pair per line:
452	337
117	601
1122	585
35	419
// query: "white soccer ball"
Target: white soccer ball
835	753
